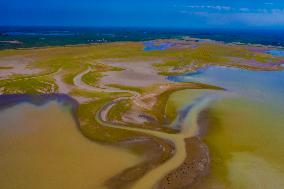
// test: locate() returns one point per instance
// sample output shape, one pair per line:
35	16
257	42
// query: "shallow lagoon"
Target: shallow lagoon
245	128
276	52
246	142
262	85
43	148
244	136
242	126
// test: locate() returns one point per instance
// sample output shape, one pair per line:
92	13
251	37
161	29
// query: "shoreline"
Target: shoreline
142	119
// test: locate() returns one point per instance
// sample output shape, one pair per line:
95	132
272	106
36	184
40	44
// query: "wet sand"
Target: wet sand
195	157
180	153
194	167
139	73
18	65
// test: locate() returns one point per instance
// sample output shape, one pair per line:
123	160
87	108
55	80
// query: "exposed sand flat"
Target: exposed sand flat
65	88
83	100
17	65
150	106
151	178
80	84
62	86
193	168
255	64
134	116
137	73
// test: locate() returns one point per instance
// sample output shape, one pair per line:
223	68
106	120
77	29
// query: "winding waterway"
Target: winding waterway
244	133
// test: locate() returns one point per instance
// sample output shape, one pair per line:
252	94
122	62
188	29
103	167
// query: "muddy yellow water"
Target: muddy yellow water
244	136
246	145
41	147
245	128
189	128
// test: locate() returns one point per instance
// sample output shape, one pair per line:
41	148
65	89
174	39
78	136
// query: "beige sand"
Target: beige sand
19	65
137	73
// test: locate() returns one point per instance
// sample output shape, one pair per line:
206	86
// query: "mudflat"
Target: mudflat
179	114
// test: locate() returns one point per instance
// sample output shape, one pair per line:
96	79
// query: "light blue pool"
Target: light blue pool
263	85
276	52
151	46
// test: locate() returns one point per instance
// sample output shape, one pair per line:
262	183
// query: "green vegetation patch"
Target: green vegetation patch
93	130
128	88
92	78
5	67
118	110
28	86
96	94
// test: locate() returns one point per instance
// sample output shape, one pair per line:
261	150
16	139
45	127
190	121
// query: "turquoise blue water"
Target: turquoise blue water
276	52
263	85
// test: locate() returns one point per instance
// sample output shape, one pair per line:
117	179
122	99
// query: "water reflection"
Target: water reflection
262	85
